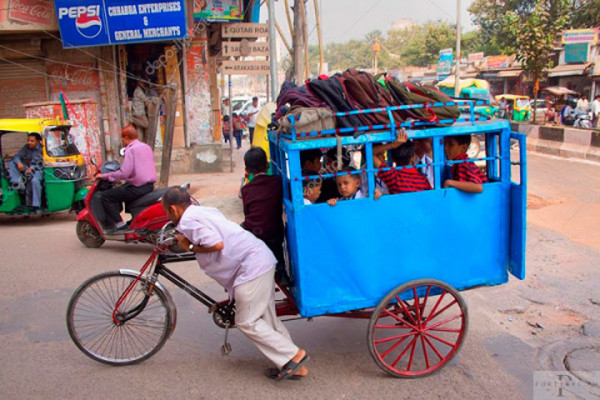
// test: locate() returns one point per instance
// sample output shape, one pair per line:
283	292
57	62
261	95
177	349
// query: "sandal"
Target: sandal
289	370
274	373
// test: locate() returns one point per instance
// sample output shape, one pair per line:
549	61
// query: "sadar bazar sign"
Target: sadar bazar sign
103	22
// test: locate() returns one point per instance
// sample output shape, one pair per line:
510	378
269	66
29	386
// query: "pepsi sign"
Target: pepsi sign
104	22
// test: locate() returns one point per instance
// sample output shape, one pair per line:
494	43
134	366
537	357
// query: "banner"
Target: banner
580	36
219	10
444	65
497	62
103	22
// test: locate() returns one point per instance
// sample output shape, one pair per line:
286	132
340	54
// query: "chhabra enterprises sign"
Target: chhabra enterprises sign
103	22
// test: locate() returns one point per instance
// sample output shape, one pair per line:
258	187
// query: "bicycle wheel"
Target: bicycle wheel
417	328
91	326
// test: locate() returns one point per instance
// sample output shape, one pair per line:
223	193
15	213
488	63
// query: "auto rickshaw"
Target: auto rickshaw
64	169
521	110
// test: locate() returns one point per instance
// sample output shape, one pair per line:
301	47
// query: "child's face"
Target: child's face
347	184
423	146
312	191
313	166
453	149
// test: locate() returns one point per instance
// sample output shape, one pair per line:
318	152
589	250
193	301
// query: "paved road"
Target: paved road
43	262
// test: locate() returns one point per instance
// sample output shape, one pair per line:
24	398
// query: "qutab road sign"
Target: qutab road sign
247	49
244	30
245	68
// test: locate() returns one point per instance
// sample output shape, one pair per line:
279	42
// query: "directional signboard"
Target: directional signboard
244	30
256	67
245	49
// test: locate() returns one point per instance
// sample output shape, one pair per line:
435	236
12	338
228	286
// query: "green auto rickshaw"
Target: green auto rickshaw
64	171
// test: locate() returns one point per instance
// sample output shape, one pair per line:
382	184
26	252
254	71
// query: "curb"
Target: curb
561	141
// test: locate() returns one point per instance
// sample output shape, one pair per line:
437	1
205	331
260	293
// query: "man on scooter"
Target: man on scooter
139	173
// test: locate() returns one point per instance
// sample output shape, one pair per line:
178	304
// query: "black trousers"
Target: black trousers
112	200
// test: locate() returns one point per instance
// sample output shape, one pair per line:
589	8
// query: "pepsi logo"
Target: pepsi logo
88	26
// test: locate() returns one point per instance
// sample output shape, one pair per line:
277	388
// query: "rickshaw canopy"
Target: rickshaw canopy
512	97
28	125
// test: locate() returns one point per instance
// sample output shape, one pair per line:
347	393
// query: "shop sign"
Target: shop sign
256	67
219	10
475	57
27	15
102	22
580	36
35	12
496	62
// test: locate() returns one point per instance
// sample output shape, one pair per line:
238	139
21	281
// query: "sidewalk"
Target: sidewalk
219	189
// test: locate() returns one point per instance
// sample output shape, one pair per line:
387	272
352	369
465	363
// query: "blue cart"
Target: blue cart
401	260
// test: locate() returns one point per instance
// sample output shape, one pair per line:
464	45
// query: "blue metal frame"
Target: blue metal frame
349	256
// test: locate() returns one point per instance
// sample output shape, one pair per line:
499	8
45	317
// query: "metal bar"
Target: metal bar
185	285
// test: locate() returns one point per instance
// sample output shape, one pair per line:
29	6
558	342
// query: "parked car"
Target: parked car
540	111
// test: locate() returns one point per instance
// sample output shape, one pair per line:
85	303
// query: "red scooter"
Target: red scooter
148	217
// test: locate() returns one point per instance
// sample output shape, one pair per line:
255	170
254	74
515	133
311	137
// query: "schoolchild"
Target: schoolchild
349	187
466	176
329	188
238	129
364	180
262	199
423	158
403	154
312	191
310	161
226	128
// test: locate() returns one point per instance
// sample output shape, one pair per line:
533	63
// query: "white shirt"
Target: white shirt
427	170
379	184
307	202
358	195
252	118
596	107
583	105
243	258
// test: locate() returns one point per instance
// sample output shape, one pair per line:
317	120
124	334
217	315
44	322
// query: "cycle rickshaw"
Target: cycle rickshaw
399	261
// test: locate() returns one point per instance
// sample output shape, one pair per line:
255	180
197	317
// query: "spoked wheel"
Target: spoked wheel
88	235
94	331
417	328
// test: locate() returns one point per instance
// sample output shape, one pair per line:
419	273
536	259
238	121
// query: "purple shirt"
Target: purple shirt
138	166
243	258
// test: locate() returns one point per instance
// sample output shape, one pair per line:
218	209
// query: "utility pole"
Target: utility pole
457	76
299	44
272	52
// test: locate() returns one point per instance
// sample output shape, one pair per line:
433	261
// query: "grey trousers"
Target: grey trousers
35	184
256	318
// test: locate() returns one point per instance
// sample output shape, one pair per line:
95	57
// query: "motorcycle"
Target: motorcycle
583	120
148	216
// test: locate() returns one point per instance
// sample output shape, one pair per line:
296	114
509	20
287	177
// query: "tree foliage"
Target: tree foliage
535	35
498	36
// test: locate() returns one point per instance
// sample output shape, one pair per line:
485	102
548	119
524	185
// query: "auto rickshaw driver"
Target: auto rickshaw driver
26	170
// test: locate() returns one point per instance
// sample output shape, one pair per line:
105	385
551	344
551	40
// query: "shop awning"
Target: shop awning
468	75
560	91
510	73
569	70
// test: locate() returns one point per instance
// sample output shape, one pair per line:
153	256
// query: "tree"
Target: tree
586	14
535	35
420	45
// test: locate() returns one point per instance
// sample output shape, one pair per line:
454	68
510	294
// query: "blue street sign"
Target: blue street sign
101	22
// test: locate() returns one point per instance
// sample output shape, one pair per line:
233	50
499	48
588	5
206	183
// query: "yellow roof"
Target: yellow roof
28	125
511	97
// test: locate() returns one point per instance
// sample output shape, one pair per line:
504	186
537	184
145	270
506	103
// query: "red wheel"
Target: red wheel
417	328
